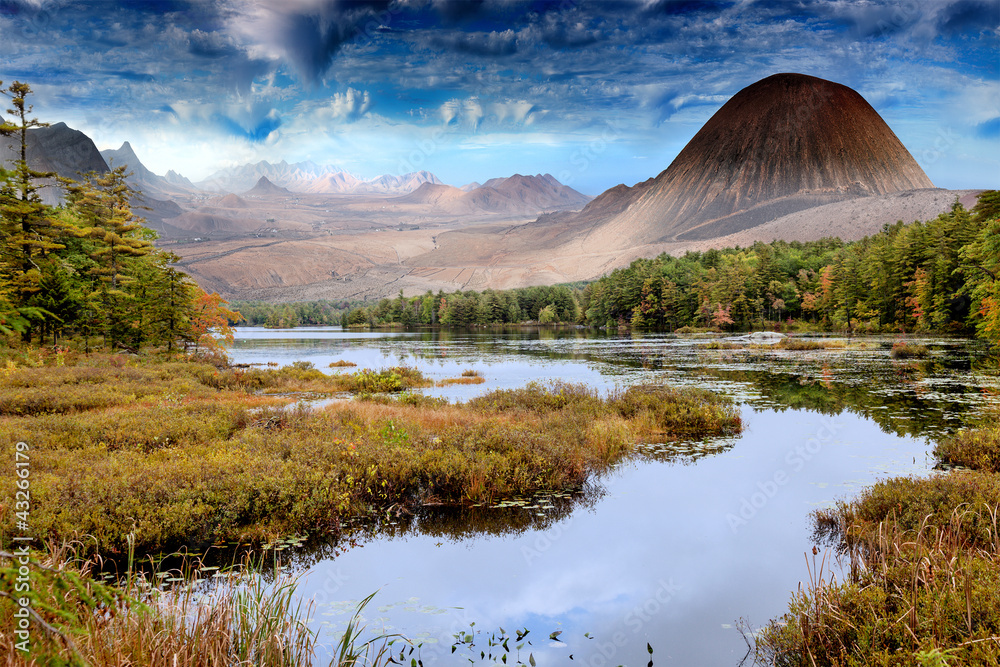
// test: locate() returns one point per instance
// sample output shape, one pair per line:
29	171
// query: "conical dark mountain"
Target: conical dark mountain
786	143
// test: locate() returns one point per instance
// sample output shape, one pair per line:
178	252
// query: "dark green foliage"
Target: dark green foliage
915	277
297	314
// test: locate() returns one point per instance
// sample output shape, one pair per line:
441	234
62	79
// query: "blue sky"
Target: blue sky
596	92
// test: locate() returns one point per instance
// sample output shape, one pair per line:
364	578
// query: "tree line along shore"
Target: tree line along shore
938	276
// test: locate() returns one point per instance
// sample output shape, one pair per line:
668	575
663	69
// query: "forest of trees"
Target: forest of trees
293	314
936	276
547	305
88	269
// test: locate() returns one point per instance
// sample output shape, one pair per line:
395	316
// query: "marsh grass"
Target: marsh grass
799	344
242	618
342	363
388	380
923	557
465	379
189	454
722	345
903	350
355	648
975	448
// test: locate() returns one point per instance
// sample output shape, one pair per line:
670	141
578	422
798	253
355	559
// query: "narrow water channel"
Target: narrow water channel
670	549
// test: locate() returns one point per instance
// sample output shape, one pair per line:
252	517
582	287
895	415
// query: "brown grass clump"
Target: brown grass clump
903	350
799	344
471	372
475	379
978	449
342	363
722	345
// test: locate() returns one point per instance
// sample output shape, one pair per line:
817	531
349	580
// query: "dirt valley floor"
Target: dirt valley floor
308	247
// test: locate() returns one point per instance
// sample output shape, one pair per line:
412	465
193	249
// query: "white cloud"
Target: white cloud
347	106
472	112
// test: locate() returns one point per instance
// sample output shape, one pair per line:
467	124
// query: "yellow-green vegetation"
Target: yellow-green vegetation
903	350
924	556
397	378
180	452
722	345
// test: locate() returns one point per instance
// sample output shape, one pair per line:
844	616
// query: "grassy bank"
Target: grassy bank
242	618
924	571
171	453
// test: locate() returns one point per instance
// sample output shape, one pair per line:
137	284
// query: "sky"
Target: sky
595	92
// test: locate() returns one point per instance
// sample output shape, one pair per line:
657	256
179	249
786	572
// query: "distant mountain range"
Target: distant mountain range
69	153
515	194
297	177
309	177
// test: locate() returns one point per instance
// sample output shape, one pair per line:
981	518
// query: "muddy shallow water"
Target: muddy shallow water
671	548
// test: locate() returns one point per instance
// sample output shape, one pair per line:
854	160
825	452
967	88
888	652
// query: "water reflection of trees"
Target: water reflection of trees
446	523
906	401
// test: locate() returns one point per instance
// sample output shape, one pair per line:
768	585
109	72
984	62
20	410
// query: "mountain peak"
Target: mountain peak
264	186
783	144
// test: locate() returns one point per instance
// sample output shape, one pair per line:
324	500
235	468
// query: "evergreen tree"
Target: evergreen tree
29	229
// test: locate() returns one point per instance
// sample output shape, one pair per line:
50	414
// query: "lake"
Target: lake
671	548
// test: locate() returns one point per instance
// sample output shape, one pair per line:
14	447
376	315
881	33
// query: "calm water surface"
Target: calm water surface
673	547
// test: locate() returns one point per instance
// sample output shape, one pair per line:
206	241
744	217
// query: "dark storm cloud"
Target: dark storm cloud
970	15
212	44
309	35
685	7
454	11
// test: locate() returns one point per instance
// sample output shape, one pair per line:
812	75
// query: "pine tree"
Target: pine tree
118	241
29	229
